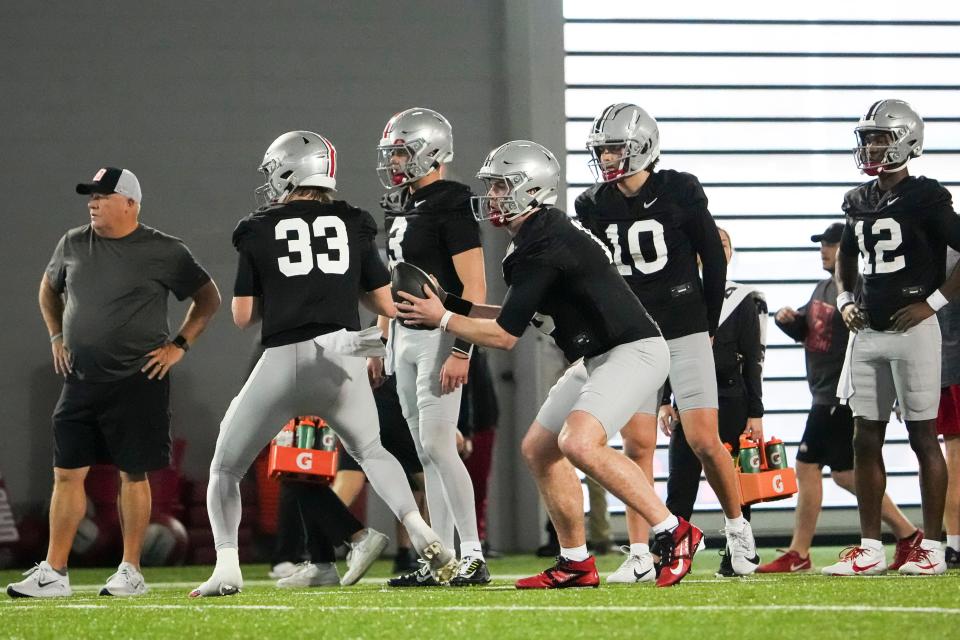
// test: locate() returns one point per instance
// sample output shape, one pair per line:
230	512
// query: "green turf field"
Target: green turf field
770	607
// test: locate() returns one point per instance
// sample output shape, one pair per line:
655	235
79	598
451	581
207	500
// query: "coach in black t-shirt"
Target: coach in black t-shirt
104	300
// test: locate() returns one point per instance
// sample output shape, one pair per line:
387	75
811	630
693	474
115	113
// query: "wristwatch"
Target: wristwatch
181	342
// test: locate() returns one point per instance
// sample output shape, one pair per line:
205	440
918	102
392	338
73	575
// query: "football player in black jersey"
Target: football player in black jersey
656	224
561	278
429	224
900	226
305	263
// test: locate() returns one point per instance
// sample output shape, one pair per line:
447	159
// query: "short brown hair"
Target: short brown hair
312	193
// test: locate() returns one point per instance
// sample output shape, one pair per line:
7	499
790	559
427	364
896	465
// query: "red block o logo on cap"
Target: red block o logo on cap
99	175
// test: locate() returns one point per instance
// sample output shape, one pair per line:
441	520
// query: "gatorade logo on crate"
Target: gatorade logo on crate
305	461
8	528
778	483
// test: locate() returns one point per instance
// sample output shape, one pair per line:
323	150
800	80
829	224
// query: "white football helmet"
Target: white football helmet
903	130
297	159
414	143
627	126
517	177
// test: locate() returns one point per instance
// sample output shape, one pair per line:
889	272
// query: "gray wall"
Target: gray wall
189	98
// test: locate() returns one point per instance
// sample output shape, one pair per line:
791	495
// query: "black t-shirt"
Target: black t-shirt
902	237
435	225
308	261
557	268
655	237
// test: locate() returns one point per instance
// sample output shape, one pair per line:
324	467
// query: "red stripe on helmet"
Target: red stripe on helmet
332	171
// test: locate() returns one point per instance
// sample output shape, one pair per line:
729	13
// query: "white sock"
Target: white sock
639	548
471	550
930	545
735	525
953	541
421	535
870	543
577	554
669	524
227	557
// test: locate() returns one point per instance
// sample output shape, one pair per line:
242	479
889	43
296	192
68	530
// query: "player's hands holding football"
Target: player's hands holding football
786	315
911	315
853	317
421	311
667	419
454	373
161	359
61	357
375	371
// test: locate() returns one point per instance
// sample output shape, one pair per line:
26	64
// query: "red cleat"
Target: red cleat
564	575
905	547
789	562
676	552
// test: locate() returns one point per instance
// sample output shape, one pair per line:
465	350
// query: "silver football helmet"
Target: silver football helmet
888	136
414	143
518	177
629	131
297	159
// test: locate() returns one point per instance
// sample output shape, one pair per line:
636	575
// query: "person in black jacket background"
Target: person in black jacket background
738	352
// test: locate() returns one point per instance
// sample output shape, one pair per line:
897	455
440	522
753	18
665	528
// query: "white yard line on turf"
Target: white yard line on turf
816	608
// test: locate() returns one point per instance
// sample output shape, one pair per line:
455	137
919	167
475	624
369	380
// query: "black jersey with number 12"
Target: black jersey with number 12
309	262
902	237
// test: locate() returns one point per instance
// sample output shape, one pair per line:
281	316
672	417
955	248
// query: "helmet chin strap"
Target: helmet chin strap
897	170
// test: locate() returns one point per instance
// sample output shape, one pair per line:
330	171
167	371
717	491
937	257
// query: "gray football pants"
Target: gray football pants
292	380
418	358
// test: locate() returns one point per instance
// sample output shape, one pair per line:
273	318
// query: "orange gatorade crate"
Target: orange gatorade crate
758	482
304	462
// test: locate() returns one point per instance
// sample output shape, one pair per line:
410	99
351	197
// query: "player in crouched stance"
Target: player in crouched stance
305	262
561	275
900	225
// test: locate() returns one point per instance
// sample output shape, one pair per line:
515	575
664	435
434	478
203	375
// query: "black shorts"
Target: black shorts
125	422
394	433
828	437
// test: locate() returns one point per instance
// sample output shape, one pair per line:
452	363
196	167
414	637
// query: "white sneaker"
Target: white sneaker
283	570
925	561
127	581
442	561
311	574
858	561
362	554
42	581
225	581
636	568
742	550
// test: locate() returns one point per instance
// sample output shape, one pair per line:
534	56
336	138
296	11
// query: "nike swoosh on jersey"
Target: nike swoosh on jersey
892	200
647	205
416	205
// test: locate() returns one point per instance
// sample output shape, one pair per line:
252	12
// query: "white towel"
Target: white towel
845	388
361	344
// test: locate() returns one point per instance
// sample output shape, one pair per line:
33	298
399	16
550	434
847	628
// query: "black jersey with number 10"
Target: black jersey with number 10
901	236
309	262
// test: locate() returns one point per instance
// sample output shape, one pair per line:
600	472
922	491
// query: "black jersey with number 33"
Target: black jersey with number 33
557	268
655	237
435	225
901	236
308	261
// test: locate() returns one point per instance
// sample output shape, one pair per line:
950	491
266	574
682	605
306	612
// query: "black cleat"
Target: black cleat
419	578
471	573
405	561
952	557
726	565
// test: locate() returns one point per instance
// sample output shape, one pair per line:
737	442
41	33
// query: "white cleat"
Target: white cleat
362	554
858	561
635	569
127	581
42	581
742	550
225	581
925	561
283	570
311	574
442	562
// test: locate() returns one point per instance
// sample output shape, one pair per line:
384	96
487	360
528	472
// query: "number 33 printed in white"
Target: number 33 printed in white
300	245
876	261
